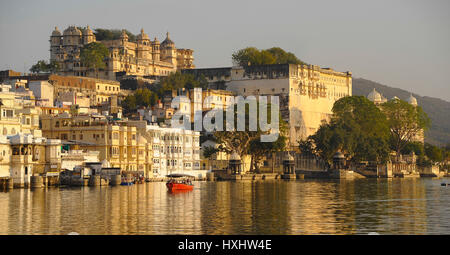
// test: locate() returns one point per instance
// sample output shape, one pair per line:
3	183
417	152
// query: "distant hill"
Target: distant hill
437	109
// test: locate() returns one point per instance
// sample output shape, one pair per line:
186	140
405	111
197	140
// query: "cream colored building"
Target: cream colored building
17	113
141	58
43	92
306	92
174	150
25	155
117	141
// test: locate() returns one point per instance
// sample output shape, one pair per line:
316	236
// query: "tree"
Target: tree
112	34
179	80
43	67
209	151
416	147
248	142
405	121
140	98
283	57
433	152
93	56
253	56
357	128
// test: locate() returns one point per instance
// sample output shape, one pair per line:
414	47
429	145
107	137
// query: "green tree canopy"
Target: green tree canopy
254	56
249	142
93	55
405	121
112	34
433	152
179	80
140	98
357	128
43	67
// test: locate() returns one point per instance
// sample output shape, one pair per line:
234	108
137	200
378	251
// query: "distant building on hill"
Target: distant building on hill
142	57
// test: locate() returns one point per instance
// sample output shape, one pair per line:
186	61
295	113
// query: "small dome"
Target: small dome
235	156
167	42
56	32
374	96
142	36
72	30
395	98
88	31
155	41
412	100
124	35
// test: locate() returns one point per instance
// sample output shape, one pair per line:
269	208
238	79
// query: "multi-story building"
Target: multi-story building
142	57
117	141
97	90
17	113
199	100
25	155
306	92
174	150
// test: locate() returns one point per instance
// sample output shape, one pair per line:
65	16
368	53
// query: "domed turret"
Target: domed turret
124	35
88	31
72	31
374	96
88	35
167	42
72	36
56	32
55	39
412	100
142	36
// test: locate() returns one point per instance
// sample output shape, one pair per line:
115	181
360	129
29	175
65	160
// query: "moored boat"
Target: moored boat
179	182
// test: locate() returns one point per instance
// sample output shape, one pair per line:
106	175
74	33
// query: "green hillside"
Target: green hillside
437	109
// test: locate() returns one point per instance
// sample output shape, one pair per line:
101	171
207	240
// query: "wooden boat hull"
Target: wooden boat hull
179	186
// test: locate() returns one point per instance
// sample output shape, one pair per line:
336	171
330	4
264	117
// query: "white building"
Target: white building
43	91
174	151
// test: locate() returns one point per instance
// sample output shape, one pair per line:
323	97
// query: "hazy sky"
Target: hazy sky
404	44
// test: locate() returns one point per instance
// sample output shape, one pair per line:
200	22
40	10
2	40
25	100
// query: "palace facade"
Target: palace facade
306	92
141	57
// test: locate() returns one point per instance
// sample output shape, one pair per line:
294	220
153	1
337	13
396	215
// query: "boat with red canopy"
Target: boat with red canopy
179	182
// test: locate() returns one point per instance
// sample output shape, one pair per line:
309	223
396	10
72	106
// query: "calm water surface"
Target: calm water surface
398	206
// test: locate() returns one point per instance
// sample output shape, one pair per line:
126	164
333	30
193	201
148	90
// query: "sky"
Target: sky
402	44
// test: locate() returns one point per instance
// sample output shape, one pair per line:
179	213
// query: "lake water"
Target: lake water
396	206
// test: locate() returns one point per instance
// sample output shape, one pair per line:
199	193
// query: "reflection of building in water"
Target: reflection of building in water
321	208
216	209
406	206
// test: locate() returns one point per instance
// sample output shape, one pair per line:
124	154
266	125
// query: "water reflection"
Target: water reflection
397	206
